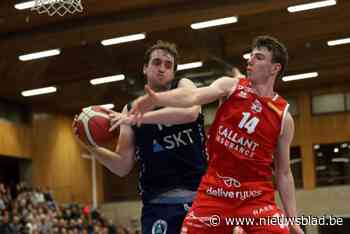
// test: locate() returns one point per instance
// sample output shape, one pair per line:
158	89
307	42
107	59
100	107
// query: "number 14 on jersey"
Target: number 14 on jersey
248	122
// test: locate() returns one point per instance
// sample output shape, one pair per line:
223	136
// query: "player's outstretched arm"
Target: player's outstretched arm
173	115
283	174
168	115
184	96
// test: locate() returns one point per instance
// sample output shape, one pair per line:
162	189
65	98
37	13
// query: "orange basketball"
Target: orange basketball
92	126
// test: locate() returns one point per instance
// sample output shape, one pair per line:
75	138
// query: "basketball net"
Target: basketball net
59	7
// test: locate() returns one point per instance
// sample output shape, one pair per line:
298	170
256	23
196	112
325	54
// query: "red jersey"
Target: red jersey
244	134
241	144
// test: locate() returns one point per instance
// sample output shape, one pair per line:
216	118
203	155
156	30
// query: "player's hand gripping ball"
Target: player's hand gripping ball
92	126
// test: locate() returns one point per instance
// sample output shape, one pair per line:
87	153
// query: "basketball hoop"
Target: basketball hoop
59	7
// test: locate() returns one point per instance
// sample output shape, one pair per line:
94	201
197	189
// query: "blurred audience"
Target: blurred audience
26	210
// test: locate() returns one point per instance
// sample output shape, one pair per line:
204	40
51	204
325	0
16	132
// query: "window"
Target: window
296	166
347	96
332	164
328	103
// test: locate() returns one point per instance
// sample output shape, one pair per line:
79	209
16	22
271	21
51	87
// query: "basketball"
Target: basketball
92	126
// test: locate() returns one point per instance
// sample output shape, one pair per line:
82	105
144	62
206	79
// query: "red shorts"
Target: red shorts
250	207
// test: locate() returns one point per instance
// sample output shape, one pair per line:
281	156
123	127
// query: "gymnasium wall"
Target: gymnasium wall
57	160
317	129
56	157
15	139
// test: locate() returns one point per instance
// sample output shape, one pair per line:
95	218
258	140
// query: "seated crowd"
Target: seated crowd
34	211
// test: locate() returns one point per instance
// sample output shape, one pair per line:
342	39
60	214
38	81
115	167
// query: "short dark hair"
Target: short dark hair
278	50
162	45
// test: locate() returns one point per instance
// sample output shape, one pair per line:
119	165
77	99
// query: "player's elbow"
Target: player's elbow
283	175
120	172
121	168
191	98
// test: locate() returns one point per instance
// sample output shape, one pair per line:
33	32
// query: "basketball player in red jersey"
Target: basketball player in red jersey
249	143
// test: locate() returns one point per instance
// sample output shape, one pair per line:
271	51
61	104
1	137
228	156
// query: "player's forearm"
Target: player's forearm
171	115
187	97
180	97
285	186
117	164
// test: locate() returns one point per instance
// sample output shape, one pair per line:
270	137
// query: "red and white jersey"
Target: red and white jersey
238	182
244	135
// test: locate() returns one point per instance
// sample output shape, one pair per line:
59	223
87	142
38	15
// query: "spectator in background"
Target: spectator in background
112	228
26	214
2	203
5	227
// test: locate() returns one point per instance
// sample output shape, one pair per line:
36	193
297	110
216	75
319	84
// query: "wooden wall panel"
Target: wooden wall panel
330	128
317	129
304	134
298	130
100	185
57	160
325	128
15	139
56	157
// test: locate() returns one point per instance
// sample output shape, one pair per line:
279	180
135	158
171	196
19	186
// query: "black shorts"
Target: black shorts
163	218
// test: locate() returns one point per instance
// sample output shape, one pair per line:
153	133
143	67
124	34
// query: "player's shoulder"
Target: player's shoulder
185	82
280	104
289	118
288	126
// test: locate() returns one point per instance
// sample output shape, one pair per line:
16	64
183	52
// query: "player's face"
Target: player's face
160	69
260	66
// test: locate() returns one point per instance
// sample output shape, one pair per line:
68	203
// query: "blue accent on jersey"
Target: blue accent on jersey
157	147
